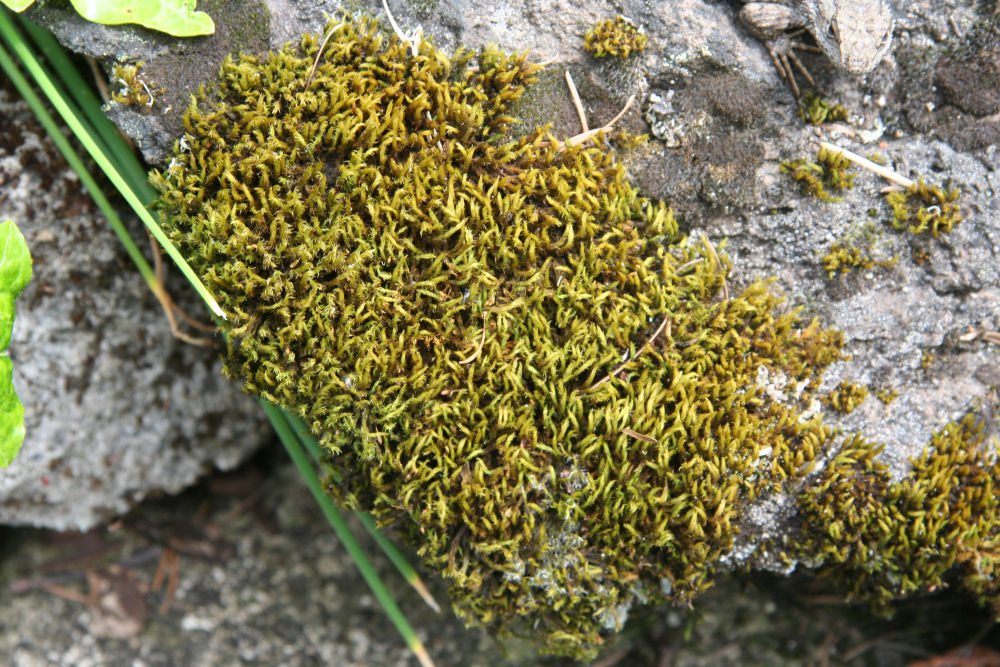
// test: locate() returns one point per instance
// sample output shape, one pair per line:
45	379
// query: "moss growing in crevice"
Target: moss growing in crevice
510	355
130	88
814	110
889	540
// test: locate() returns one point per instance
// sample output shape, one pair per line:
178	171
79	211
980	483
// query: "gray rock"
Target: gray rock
116	408
707	89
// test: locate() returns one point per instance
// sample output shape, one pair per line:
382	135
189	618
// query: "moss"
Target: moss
887	395
828	172
628	140
450	312
845	258
846	397
129	87
510	355
888	540
617	37
815	110
927	358
939	213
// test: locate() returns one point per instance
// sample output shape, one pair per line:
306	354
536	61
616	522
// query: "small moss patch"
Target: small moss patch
814	110
843	259
847	396
830	171
130	88
924	208
888	540
617	37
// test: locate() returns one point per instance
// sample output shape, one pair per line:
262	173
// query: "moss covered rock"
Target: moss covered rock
510	354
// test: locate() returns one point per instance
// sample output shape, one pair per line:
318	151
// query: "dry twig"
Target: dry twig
577	103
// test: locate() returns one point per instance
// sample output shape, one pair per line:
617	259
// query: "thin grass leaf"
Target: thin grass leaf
74	161
301	460
76	125
79	90
391	550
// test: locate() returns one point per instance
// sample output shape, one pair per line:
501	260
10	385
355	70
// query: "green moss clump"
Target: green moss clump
889	540
131	89
510	354
847	396
617	37
886	395
939	212
814	110
845	258
828	172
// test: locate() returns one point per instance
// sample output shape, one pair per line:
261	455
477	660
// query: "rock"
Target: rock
116	408
722	122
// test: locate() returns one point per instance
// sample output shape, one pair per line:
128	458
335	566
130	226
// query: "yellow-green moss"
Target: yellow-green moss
845	258
465	323
617	37
888	540
509	354
129	88
828	172
847	396
886	395
815	110
939	212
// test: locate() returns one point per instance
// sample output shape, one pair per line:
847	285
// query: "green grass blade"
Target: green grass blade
88	103
74	161
391	550
103	162
301	460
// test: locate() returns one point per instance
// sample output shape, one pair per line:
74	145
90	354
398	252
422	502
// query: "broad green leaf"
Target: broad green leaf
18	5
175	17
15	272
11	415
6	320
15	260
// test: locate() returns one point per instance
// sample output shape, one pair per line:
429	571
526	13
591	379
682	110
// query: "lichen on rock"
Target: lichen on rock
511	356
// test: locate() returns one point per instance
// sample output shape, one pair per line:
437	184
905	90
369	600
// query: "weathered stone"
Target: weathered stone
116	408
891	317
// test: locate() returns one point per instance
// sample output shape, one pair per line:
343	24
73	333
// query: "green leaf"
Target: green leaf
18	5
175	17
15	272
11	415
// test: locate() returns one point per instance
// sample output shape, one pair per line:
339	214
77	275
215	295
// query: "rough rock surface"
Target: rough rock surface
116	408
723	121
